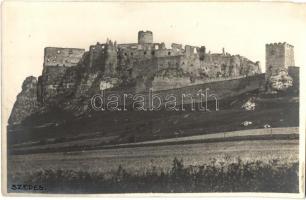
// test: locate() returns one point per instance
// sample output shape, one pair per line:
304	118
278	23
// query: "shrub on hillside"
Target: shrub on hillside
213	177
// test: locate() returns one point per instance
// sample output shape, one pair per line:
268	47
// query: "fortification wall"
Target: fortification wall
136	54
160	83
50	80
191	64
63	57
169	62
144	46
96	56
183	70
69	81
144	74
218	59
111	60
193	60
219	89
294	73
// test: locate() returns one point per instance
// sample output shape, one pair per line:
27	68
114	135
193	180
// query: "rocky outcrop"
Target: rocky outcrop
26	103
280	82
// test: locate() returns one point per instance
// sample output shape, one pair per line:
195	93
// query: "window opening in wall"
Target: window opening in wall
153	53
169	53
145	53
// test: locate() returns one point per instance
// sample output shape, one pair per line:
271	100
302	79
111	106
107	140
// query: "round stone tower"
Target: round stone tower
145	37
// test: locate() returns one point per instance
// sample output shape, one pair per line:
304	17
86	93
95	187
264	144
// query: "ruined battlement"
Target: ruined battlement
63	57
279	44
109	57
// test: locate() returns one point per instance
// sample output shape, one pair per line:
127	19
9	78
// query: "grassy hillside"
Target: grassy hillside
134	126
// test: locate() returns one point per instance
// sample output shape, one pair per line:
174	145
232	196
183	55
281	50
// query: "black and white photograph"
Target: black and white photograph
152	98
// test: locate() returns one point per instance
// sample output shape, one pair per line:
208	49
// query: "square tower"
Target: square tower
145	37
279	56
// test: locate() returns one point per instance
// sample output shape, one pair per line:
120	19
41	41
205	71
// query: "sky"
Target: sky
240	28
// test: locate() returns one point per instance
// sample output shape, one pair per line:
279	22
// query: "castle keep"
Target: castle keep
278	56
145	37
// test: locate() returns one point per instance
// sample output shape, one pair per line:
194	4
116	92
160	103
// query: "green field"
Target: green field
140	160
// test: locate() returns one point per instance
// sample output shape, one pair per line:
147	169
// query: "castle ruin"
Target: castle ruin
279	56
71	76
142	65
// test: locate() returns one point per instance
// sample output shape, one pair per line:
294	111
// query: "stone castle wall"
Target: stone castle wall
57	78
63	57
96	55
178	82
294	73
219	89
